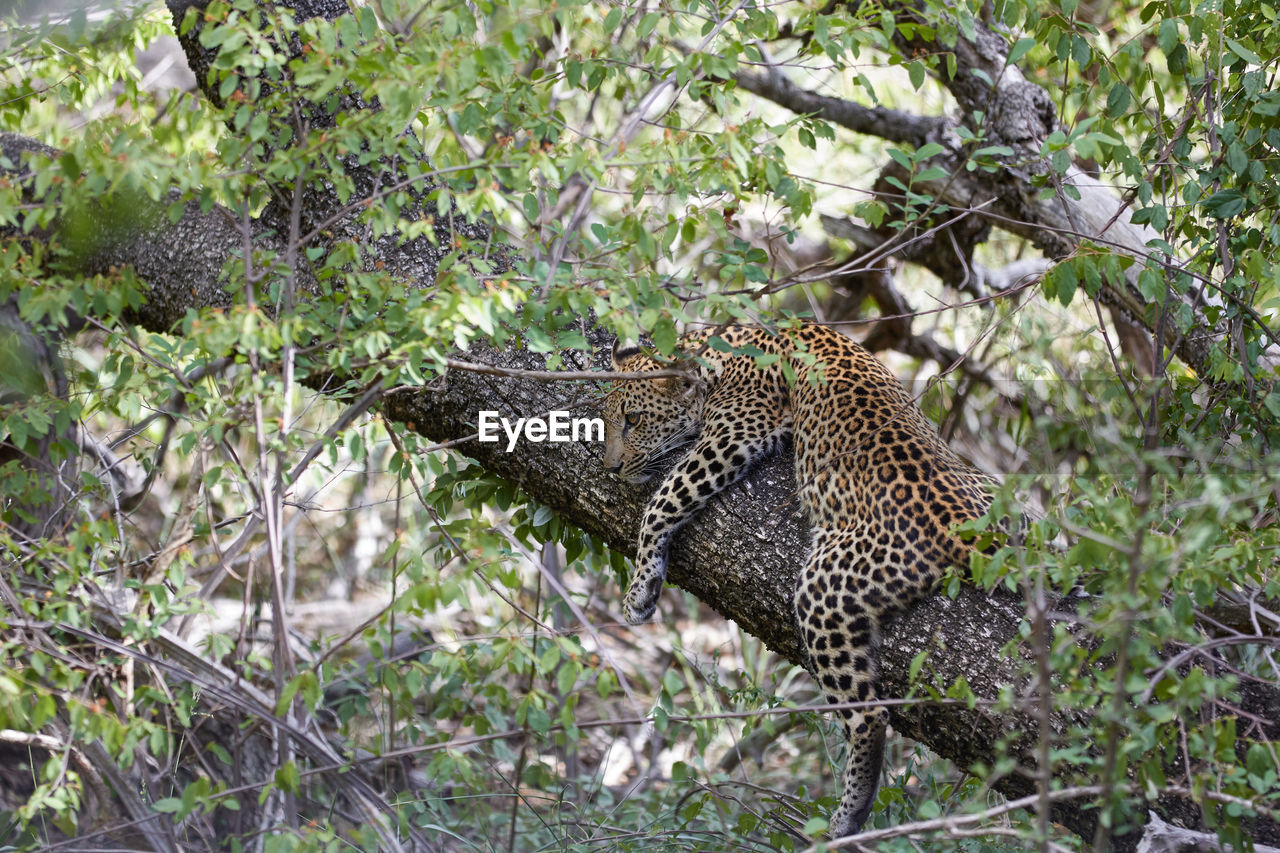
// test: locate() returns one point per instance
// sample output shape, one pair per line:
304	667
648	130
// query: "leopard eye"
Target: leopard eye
632	419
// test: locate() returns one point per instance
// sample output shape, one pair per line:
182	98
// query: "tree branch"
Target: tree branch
1019	114
894	125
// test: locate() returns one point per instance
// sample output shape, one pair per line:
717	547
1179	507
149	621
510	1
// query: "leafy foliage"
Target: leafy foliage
550	161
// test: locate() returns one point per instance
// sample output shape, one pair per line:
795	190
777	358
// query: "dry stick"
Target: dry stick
956	821
1128	616
251	701
1042	637
269	509
276	525
518	771
348	416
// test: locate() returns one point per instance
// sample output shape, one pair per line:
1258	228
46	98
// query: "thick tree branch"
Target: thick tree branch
894	125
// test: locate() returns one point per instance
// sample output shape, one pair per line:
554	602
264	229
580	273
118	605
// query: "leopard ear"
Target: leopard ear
621	353
684	385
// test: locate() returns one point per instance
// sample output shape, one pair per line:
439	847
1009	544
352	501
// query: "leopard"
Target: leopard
881	489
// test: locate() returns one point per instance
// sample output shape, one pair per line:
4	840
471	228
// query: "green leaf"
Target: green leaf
873	212
664	335
539	720
672	683
606	683
286	695
1063	282
1225	204
1118	100
1167	36
933	173
1244	53
612	19
1020	49
1237	159
647	23
548	659
169	805
915	71
916	663
815	826
567	677
288	778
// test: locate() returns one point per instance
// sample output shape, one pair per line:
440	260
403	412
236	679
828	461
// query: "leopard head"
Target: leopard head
647	421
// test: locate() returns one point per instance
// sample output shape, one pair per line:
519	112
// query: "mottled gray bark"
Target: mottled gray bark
894	125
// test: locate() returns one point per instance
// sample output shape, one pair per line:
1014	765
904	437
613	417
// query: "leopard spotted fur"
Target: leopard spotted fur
880	487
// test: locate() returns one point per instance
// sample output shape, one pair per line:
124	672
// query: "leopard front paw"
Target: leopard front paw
642	598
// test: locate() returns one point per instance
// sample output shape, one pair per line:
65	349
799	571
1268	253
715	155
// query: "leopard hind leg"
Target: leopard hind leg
839	609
